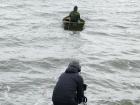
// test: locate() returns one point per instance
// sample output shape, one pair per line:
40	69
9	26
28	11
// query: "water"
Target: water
35	50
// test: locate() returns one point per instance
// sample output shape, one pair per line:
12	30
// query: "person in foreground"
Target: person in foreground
74	15
69	89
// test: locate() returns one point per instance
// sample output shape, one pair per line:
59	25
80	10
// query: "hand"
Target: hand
84	87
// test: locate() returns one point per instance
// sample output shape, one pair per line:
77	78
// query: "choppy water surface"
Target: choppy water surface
35	50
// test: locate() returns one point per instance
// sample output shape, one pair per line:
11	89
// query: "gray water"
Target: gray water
35	50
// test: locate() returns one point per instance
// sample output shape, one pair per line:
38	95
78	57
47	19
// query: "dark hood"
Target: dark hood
74	67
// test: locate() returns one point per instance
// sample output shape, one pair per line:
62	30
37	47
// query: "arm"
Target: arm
78	16
80	90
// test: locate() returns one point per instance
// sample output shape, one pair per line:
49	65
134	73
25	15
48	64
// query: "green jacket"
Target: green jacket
74	16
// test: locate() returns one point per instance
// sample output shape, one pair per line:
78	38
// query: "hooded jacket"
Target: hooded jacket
74	16
69	88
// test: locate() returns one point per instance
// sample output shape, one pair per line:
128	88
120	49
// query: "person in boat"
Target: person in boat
74	15
69	89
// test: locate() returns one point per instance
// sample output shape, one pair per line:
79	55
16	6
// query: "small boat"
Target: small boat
73	26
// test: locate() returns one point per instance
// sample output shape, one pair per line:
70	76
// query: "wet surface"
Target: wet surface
35	50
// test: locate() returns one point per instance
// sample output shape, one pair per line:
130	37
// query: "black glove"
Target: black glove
84	87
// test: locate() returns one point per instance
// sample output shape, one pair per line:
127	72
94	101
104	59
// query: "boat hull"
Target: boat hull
74	26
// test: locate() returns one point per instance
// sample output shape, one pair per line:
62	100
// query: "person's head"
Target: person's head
75	8
75	64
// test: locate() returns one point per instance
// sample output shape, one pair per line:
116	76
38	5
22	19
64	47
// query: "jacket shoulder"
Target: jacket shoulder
79	78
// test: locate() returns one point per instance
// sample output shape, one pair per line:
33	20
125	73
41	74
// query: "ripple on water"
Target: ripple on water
124	64
108	48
